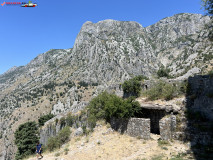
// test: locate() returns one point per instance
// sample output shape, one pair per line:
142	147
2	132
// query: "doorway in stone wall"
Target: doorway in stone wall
155	116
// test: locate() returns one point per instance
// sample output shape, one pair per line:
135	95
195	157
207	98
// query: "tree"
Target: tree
53	143
105	106
44	119
26	138
208	6
132	87
69	120
63	135
163	72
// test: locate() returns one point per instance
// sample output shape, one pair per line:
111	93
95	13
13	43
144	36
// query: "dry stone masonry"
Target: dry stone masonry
136	127
139	127
167	127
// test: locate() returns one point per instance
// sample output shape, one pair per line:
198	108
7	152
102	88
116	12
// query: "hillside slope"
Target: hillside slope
104	143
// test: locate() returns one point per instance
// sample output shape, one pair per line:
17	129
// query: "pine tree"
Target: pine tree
26	138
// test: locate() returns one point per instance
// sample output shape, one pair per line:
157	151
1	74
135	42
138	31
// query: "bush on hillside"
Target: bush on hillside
59	140
44	119
53	143
105	106
165	90
69	120
163	72
83	84
63	121
132	87
26	138
63	135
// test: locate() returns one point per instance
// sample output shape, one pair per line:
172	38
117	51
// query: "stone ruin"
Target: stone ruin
155	119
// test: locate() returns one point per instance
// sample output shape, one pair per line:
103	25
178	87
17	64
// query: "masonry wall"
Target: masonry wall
139	127
136	127
167	127
155	116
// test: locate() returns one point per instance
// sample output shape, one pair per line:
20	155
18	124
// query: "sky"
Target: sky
27	32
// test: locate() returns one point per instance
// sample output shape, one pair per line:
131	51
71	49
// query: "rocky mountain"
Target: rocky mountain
103	56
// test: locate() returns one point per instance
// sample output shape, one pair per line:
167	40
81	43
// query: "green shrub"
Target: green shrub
56	121
63	121
164	90
83	84
69	120
59	140
179	156
105	106
163	72
163	142
207	57
63	135
132	87
49	86
53	143
85	130
26	138
158	157
57	154
44	119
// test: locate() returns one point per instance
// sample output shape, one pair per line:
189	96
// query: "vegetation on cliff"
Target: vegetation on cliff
44	119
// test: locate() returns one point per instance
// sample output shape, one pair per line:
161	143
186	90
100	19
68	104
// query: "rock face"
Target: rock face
104	55
79	132
201	94
200	110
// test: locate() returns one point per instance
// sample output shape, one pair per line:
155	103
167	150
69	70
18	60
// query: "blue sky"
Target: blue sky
27	32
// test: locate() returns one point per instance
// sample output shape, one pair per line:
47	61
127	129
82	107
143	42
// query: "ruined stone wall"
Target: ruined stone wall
139	127
168	127
155	116
136	127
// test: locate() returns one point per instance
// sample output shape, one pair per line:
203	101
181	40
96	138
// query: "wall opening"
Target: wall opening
155	117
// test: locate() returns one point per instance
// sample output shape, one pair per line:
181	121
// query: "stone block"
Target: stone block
139	127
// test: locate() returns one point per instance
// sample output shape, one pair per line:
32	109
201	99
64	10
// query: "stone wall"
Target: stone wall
136	127
167	127
155	116
139	127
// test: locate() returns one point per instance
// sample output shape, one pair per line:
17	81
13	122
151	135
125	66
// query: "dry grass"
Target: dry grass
114	146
